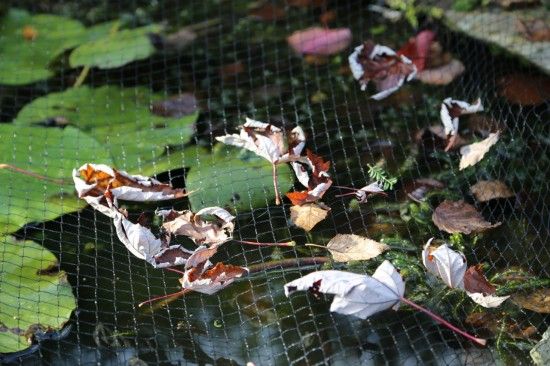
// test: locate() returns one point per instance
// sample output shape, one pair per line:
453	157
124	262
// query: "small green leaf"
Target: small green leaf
35	296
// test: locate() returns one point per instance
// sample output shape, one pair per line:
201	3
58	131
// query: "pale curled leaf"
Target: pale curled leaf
211	225
308	215
451	109
350	247
445	263
486	190
460	217
211	280
487	301
358	295
93	180
472	154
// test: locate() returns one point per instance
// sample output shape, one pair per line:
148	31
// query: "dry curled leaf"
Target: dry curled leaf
355	294
537	301
320	41
525	89
350	247
308	215
93	180
445	263
312	172
486	190
473	153
176	106
209	226
209	280
480	290
460	217
451	110
383	66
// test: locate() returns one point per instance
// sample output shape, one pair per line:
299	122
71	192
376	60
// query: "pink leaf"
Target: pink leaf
320	41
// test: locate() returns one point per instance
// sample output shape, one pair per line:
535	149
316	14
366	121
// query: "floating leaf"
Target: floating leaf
48	153
320	41
211	280
537	301
308	215
29	43
486	190
236	180
36	297
350	247
115	49
460	217
472	154
127	129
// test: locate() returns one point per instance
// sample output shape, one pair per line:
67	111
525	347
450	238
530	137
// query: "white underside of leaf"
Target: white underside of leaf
446	264
487	301
472	154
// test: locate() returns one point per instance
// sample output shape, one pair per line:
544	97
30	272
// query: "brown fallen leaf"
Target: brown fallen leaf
29	33
486	190
537	301
525	89
534	30
492	323
460	217
483	124
176	106
267	12
211	280
308	215
350	247
473	153
317	179
475	281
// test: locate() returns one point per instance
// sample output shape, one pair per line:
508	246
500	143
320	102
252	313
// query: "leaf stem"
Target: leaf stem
32	174
82	76
174	294
258	244
275	184
286	263
442	321
316	246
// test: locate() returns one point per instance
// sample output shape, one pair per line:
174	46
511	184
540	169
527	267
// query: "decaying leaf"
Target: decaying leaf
175	107
355	294
350	247
313	174
267	141
486	190
535	30
364	193
445	263
93	180
450	266
209	280
525	89
537	301
451	109
473	153
382	65
417	49
308	215
209	226
495	324
460	217
320	41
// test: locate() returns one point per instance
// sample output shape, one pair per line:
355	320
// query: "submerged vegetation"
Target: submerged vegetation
362	184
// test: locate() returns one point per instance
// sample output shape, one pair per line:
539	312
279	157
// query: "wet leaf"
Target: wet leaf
486	190
127	129
525	89
350	247
175	107
460	217
473	153
36	297
210	226
537	301
29	43
93	180
48	153
445	263
535	30
320	41
308	215
383	66
355	294
234	180
211	280
115	49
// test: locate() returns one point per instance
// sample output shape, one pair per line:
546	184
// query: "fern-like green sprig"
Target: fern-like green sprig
381	177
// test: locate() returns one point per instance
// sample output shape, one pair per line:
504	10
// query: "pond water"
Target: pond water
252	320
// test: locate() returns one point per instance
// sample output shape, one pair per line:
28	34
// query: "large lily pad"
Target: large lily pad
120	119
29	43
110	48
234	178
36	298
48	152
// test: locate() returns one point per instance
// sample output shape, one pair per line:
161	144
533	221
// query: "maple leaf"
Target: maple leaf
267	141
92	180
383	66
451	109
473	153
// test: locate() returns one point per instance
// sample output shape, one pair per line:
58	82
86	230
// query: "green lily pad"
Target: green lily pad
48	152
116	48
235	178
26	59
36	297
120	119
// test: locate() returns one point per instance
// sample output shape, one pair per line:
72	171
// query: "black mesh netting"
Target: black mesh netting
234	59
